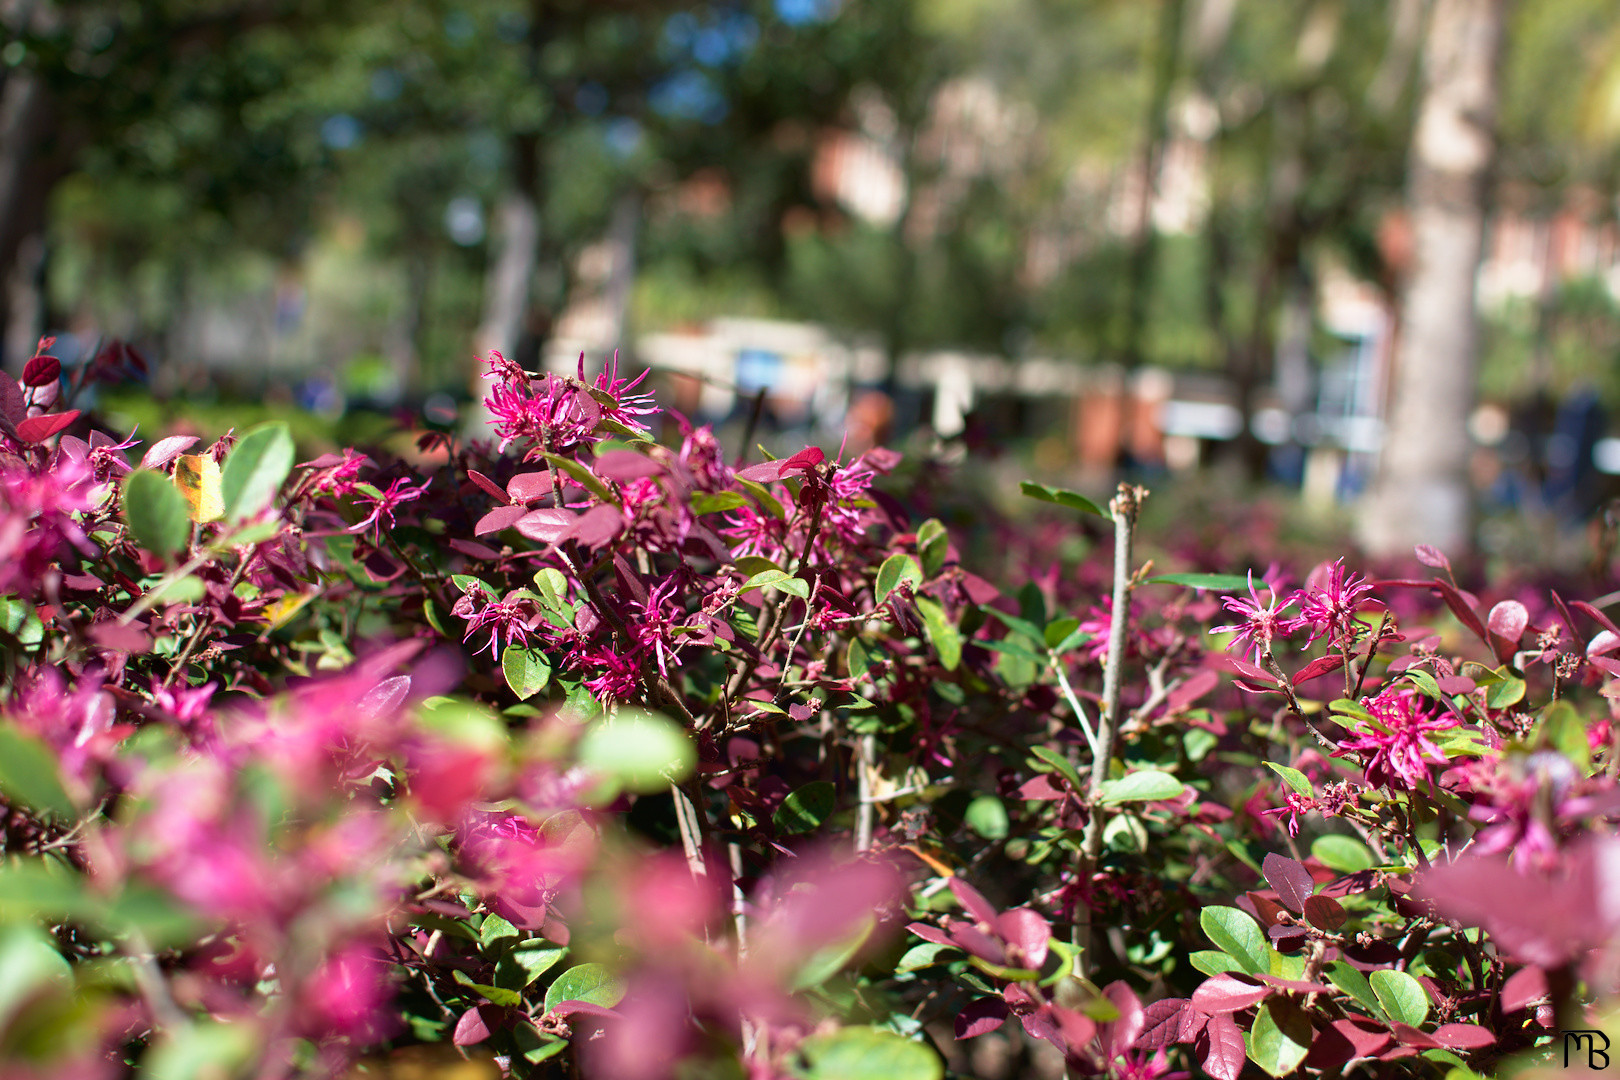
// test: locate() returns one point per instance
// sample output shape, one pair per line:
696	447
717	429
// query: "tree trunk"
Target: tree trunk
1421	492
26	177
517	254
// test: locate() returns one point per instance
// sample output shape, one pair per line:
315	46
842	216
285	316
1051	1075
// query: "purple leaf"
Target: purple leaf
1220	1048
164	451
488	485
1507	623
1301	986
973	901
1429	555
1190	690
571	1007
41	371
1289	877
622	466
1411	1036
932	934
1596	616
476	1025
980	1017
1121	1032
546	526
1243	668
117	637
804	460
385	698
1026	929
1341	1041
1462	1036
1523	988
529	487
499	519
1461	607
1287	939
1456	684
1225	994
763	473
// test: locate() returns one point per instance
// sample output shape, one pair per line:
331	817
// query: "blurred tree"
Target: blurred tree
1421	493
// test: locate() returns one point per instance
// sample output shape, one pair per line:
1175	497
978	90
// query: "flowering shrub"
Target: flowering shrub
584	753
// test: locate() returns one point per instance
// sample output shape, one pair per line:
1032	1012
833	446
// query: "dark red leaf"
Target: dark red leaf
1301	986
1169	1020
481	552
1266	911
529	487
622	466
581	1008
1461	607
804	460
488	485
1507	623
1411	1036
1325	913
1220	1048
13	406
932	934
1191	689
1342	1040
1563	613
1028	931
1290	878
1462	1036
598	525
502	517
1524	987
1226	993
36	429
1042	788
1318	667
980	1017
547	526
41	371
1429	555
1243	668
384	699
1123	1029
1077	1029
118	637
967	936
1596	616
1456	684
476	1025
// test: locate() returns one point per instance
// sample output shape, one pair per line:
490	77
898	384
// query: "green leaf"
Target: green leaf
895	569
987	816
1214	962
921	956
763	496
29	964
464	724
1062	765
1144	785
1013	622
156	512
495	995
1505	694
1280	1037
1295	779
1400	996
946	639
643	751
705	502
518	968
28	775
527	670
496	932
778	579
1564	729
553	589
255	469
1063	497
867	1053
1353	983
857	659
1237	935
583	477
1342	853
830	959
932	544
1218	582
806	807
203	1050
586	982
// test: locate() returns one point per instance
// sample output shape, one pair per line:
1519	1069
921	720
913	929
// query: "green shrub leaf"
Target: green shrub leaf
255	469
1238	936
586	982
156	512
866	1053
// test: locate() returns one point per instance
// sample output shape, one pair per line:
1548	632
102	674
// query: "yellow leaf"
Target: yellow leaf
278	614
197	477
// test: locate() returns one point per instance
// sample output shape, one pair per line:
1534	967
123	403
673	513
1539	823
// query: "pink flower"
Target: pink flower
1262	622
347	995
384	503
1329	602
515	617
1395	748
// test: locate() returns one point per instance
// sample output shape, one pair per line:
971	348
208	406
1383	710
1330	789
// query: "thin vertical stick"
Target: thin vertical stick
863	787
1124	506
